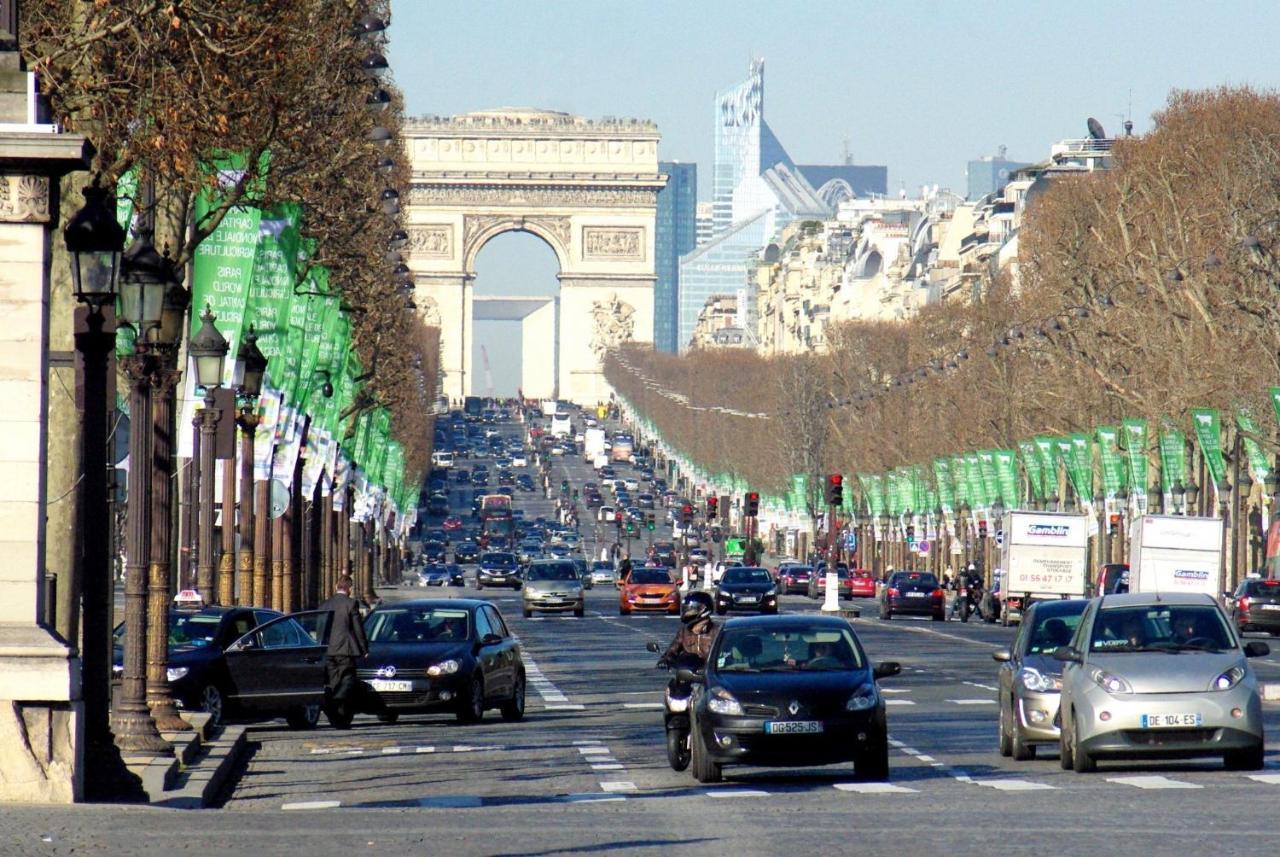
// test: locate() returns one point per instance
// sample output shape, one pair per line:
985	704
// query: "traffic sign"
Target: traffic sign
999	538
922	547
851	540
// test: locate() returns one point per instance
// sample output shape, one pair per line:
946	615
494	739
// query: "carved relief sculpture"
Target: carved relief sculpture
531	196
615	323
435	240
430	311
24	199
617	243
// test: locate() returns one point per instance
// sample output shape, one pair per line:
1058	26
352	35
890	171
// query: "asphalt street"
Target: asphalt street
586	772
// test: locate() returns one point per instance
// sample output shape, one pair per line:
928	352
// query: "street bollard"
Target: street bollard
684	573
831	604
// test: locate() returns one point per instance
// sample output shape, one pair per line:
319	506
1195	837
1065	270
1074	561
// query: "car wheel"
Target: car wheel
704	769
303	717
1022	750
213	704
527	612
1064	748
885	613
1081	761
471	709
513	709
1005	739
622	611
580	611
873	764
1250	759
389	716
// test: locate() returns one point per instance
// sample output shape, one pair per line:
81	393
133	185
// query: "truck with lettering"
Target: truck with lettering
1175	553
1044	555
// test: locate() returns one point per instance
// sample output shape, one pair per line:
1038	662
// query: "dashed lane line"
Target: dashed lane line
875	788
1153	782
312	805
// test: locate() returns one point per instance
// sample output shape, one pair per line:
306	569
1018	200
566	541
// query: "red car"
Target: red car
861	583
451	523
793	578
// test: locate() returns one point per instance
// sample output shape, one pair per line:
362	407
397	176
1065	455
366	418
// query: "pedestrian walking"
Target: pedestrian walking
347	642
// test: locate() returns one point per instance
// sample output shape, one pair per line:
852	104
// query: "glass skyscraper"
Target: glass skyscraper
676	234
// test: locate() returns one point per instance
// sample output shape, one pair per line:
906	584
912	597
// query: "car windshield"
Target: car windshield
417	625
1160	628
650	575
193	629
789	649
1051	630
498	559
551	571
747	575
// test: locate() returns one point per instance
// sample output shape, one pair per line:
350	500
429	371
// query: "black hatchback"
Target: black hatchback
1255	606
747	588
789	691
913	593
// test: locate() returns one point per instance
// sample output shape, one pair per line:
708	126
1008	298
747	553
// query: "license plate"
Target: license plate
915	595
748	597
384	686
793	727
1170	721
1271	606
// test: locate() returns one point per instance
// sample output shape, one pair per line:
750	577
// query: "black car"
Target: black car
438	506
243	662
454	655
913	593
524	482
434	551
788	691
747	588
1255	606
479	478
498	568
466	551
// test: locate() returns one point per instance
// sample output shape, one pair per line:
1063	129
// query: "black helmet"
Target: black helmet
696	607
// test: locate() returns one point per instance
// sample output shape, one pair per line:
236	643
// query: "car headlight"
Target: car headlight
175	673
863	699
1228	679
1037	681
1109	682
722	702
772	593
448	667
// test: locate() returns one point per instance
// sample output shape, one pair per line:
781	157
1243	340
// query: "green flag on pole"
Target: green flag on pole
1133	435
1208	428
1259	467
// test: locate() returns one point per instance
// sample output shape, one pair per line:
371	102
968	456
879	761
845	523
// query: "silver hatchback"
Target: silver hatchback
1159	676
553	586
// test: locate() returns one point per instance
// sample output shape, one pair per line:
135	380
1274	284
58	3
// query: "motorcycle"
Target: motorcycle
676	714
970	601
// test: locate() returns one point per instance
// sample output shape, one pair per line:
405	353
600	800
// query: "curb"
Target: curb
201	782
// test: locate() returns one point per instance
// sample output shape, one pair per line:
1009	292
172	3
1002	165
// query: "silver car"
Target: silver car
1031	680
1159	676
553	586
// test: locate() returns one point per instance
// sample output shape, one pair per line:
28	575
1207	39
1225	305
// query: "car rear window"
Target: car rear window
1262	587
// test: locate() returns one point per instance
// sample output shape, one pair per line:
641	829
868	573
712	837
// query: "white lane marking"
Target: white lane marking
452	801
593	750
390	751
918	630
1152	782
973	701
1013	785
424	749
910	751
645	705
322	751
587	743
737	793
464	748
983	686
594	797
542	686
1270	779
924	757
606	766
875	788
312	804
899	702
894	690
569	707
618	786
894	742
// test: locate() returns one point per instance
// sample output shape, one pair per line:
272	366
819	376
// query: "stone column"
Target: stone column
262	543
227	559
248	423
278	550
206	422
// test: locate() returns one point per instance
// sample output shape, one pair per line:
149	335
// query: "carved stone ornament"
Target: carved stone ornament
433	240
617	243
615	323
482	224
526	197
24	199
430	311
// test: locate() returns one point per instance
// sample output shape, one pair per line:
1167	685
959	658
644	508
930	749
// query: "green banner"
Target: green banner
1081	466
1275	401
1112	465
1208	428
977	485
1006	461
919	490
1259	467
1035	472
271	290
946	488
1048	465
873	490
1133	437
960	478
987	470
1173	458
221	273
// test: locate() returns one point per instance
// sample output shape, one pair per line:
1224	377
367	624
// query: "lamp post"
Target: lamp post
208	350
94	241
143	284
251	364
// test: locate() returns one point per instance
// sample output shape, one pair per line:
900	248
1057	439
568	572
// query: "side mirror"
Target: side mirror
246	643
653	647
690	677
1002	655
1256	649
886	669
490	639
1066	654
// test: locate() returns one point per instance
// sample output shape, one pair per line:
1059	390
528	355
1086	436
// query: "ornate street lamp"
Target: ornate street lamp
208	350
378	100
1179	493
94	241
143	286
390	202
399	239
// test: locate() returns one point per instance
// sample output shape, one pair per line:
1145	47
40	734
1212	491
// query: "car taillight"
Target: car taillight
1243	604
937	593
893	593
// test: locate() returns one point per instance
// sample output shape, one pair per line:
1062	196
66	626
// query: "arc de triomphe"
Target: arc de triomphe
587	188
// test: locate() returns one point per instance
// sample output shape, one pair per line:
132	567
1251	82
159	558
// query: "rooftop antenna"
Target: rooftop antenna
846	154
1128	118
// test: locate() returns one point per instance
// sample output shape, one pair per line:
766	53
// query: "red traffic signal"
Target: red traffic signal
713	505
617	517
752	508
835	490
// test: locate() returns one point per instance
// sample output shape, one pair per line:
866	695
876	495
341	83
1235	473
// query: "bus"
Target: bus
622	448
473	408
497	523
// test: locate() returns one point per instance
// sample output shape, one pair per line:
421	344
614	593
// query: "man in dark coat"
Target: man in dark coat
347	642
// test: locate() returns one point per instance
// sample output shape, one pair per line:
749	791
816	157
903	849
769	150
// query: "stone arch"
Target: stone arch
479	230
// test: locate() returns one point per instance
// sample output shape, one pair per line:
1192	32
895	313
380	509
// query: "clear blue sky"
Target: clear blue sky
921	87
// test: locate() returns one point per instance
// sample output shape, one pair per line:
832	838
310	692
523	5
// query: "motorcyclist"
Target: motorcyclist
698	630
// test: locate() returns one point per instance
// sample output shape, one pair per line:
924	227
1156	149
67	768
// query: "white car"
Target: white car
632	484
557	450
604	513
519	460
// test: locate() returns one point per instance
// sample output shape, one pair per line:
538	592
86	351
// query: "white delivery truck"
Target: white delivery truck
593	444
1175	553
1045	556
561	426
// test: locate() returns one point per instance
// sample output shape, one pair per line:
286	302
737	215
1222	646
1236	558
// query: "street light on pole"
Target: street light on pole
94	241
208	350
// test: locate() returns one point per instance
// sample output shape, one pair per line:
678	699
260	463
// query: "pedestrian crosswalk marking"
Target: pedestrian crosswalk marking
618	786
737	793
899	702
312	804
875	788
1013	785
1153	782
973	701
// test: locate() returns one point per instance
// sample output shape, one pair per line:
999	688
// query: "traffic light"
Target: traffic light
649	523
752	508
617	517
686	514
1113	525
835	490
911	533
713	505
982	529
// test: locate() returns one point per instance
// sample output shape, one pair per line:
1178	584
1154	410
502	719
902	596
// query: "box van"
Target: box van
561	425
441	458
